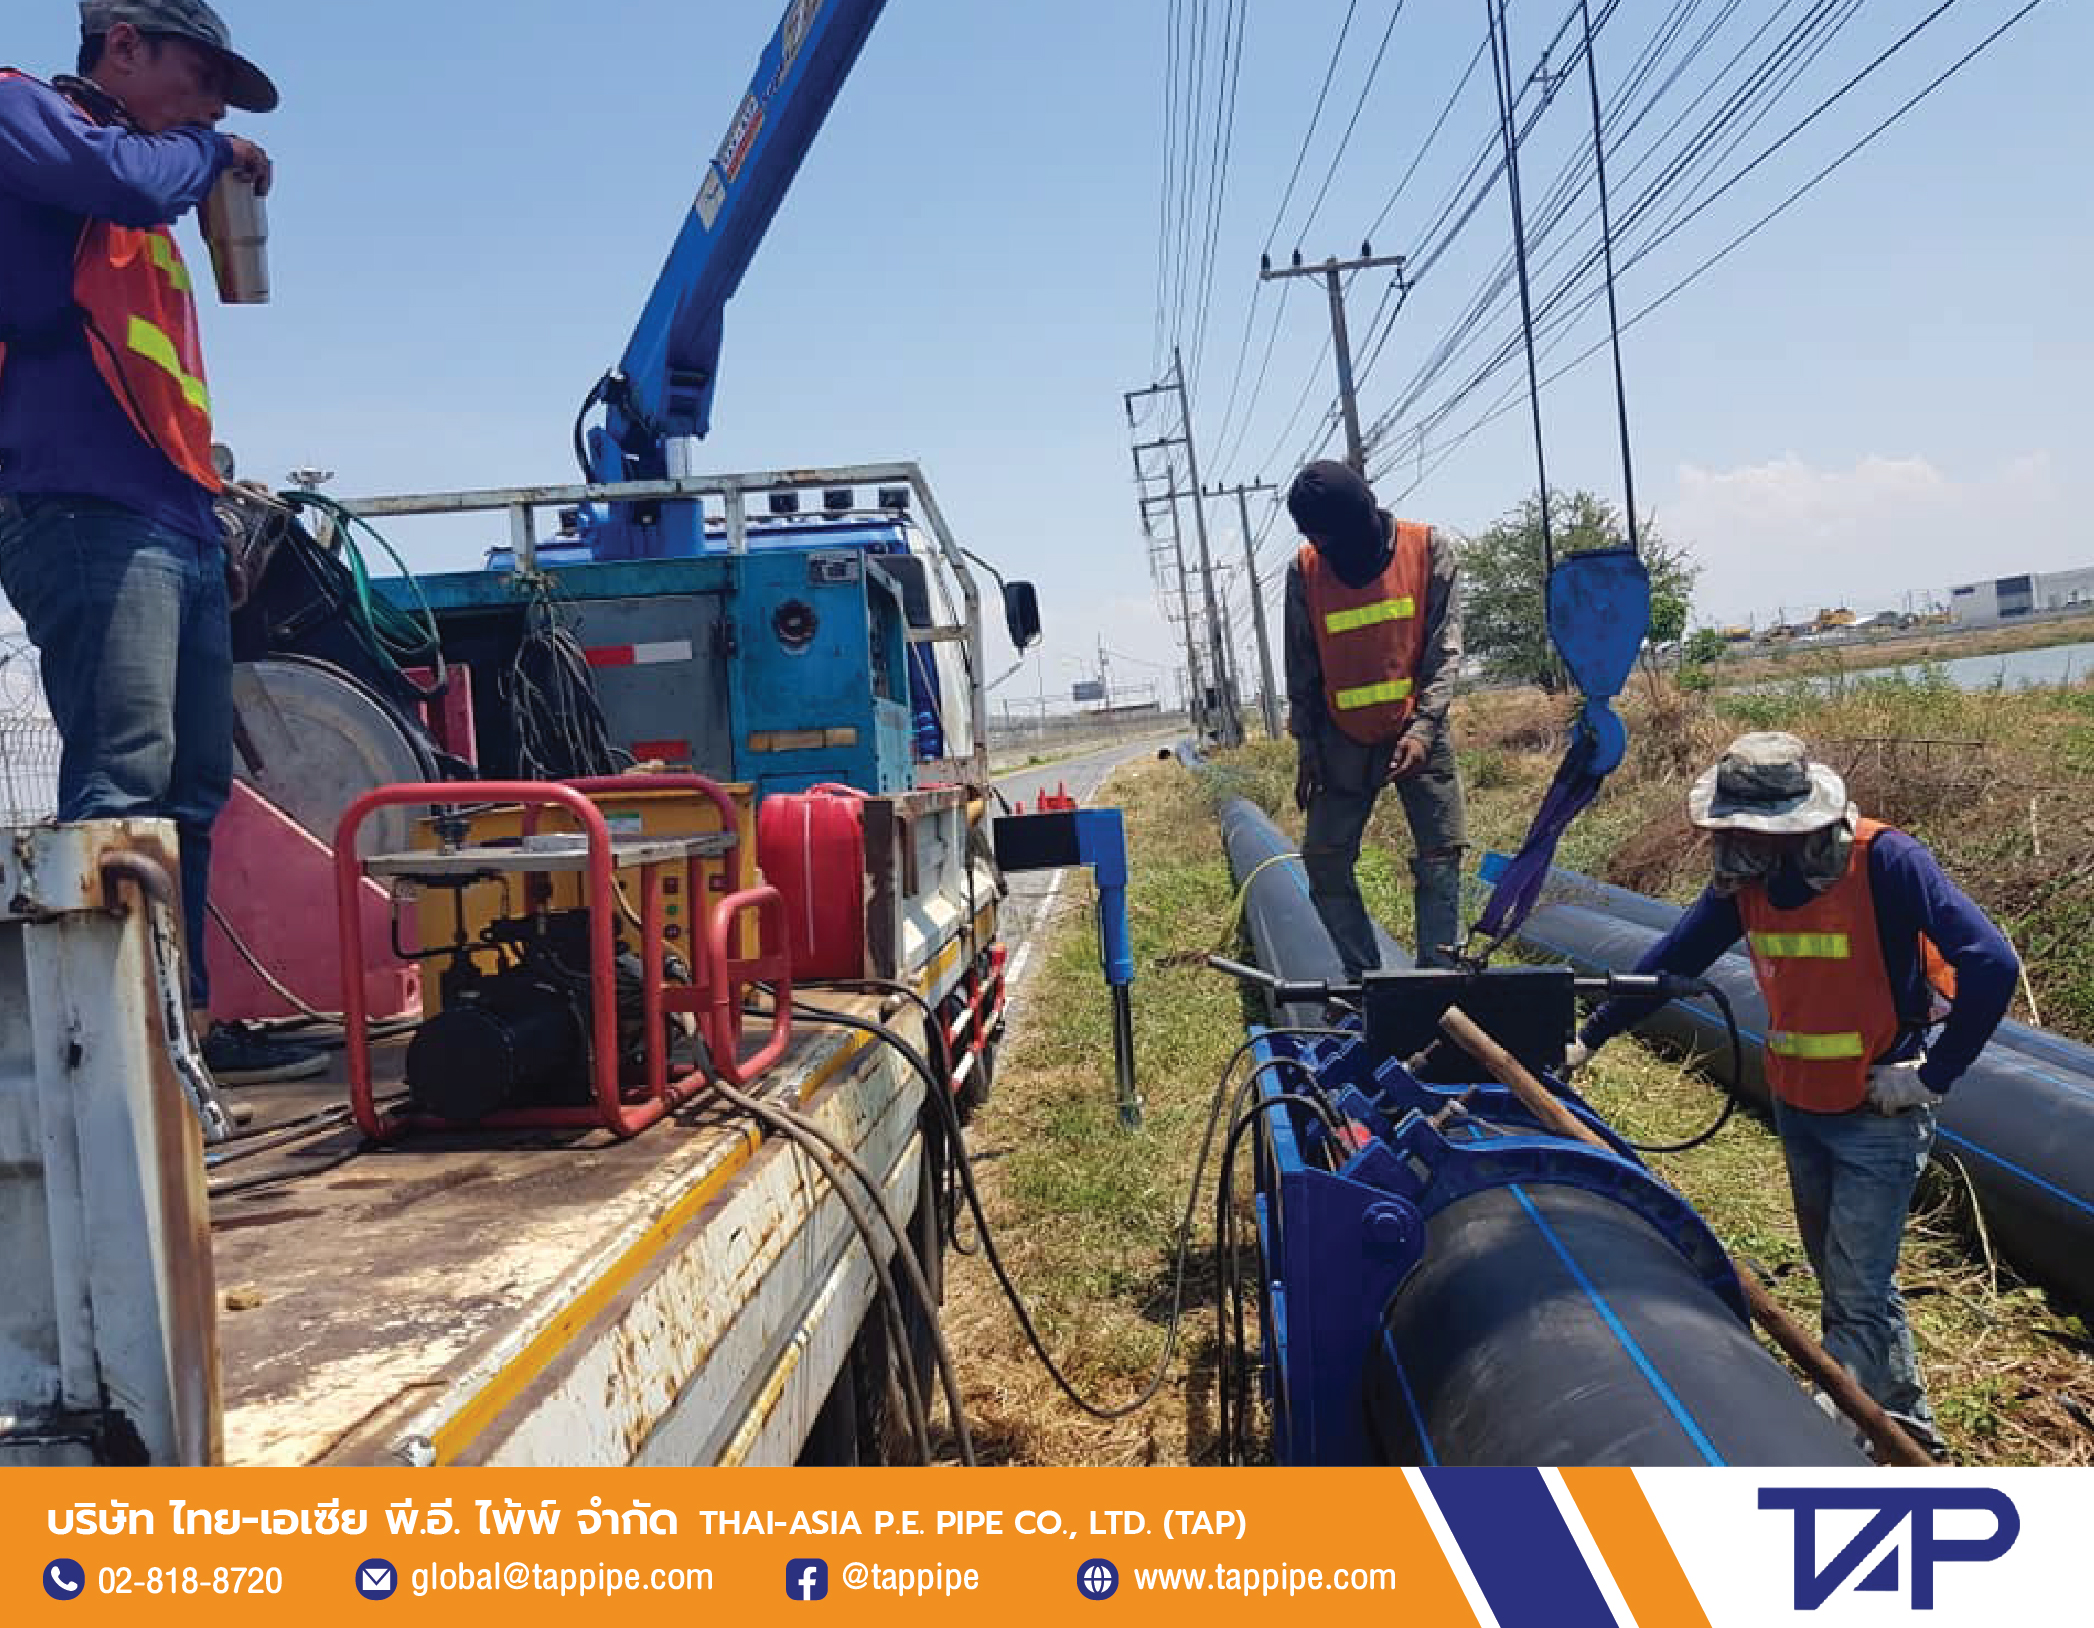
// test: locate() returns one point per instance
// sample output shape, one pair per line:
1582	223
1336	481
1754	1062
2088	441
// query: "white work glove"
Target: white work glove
1894	1087
1574	1059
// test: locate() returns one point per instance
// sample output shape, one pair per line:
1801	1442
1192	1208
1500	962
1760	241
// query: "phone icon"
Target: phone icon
64	1579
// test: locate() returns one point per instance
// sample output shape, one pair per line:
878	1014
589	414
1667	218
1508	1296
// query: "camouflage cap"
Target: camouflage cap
246	86
1767	782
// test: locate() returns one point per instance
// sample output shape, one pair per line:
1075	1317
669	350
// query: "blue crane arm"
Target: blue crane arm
663	388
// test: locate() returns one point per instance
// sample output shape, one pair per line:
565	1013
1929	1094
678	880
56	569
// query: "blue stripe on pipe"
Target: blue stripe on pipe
1523	1556
1410	1400
2014	1169
1964	1142
1666	1394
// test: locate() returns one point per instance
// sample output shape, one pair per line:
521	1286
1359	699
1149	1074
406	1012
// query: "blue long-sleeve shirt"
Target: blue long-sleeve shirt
61	430
1913	896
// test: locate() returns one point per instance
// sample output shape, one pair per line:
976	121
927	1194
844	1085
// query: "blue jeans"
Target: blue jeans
131	623
1852	1177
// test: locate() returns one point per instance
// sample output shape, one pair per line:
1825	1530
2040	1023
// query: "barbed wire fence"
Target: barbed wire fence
29	743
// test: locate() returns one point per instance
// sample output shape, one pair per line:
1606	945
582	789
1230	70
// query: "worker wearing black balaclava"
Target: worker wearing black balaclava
1373	639
1334	508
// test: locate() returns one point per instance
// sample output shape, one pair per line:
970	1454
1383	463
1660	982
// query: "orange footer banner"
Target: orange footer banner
1499	1548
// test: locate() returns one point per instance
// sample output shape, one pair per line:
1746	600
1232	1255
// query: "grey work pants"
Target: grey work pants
1432	803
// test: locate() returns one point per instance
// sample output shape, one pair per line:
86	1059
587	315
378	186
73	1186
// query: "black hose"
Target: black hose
1732	1091
965	1166
818	1146
1232	1371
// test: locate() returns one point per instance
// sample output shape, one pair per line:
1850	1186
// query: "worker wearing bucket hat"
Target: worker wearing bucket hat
110	547
1860	944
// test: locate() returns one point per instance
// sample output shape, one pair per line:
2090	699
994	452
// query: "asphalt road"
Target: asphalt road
1034	894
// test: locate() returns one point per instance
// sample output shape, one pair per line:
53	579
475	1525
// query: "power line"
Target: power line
1250	316
1225	121
1456	341
1315	118
1351	124
1761	224
1569	283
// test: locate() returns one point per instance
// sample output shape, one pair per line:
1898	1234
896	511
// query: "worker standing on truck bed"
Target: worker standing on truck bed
1857	940
1373	635
109	545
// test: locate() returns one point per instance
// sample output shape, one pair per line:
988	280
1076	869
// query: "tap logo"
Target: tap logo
1888	1510
807	1580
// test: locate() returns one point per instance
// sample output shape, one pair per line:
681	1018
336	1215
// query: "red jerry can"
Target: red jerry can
811	845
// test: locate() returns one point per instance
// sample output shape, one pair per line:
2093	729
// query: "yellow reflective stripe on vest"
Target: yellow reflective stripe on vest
1801	946
1815	1048
1386	610
164	256
156	347
1374	695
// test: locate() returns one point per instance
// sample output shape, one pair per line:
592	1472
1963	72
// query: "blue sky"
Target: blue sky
1882	392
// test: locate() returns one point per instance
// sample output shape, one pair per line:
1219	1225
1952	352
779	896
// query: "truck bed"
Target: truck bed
683	1297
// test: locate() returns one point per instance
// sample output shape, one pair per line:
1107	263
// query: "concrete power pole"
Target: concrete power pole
1197	703
1225	721
1231	720
1200	717
1341	337
1270	695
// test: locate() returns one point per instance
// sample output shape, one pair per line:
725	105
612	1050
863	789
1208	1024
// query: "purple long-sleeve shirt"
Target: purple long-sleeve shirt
61	430
1913	896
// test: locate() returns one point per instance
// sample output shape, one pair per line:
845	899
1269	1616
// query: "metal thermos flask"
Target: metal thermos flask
237	227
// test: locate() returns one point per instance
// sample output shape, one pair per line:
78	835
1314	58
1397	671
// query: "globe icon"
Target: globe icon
1098	1579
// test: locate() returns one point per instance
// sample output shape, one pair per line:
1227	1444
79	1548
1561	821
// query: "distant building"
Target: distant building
1980	604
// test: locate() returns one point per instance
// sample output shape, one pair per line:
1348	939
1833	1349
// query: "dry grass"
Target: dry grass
1087	1216
2005	1371
2009	1374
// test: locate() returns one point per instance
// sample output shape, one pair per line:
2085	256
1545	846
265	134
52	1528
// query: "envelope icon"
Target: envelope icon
376	1579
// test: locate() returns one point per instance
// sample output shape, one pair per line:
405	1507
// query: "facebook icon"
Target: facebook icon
806	1580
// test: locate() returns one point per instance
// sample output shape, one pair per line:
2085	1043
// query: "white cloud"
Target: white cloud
1790	534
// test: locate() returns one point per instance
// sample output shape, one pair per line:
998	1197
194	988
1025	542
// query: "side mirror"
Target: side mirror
1021	614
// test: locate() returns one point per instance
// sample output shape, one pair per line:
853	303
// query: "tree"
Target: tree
1503	571
1705	648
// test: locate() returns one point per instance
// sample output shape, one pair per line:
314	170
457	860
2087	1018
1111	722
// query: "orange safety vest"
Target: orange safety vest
1371	639
139	311
1830	1009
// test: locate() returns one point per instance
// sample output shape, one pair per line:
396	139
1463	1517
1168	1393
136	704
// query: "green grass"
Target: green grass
1087	1213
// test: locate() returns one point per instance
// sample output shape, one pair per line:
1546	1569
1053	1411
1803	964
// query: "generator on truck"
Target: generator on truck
683	744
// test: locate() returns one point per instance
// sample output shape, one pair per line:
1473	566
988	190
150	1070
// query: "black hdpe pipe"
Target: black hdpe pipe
2020	1123
1545	1324
1278	912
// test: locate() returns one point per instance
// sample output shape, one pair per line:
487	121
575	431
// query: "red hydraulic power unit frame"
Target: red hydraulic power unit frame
714	997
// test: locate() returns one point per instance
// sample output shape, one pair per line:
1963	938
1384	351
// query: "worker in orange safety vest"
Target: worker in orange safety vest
1860	945
111	549
1373	641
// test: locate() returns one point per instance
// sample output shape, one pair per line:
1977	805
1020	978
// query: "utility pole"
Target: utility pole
1270	695
1232	680
1227	722
1201	717
1231	720
1341	337
1197	701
